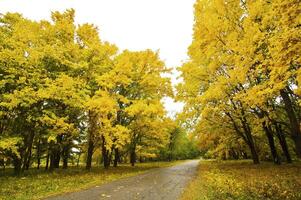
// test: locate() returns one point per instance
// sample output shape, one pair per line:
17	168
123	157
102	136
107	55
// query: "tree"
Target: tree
234	71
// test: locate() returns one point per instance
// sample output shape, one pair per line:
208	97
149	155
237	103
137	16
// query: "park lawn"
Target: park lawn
241	180
36	184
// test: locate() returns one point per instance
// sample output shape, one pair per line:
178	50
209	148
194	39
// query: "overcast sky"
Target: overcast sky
164	25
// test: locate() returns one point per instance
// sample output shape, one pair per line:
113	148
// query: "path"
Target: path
159	184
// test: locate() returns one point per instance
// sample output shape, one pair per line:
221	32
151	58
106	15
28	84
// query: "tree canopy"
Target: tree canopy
241	83
64	91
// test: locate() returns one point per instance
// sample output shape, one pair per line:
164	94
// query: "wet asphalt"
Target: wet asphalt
158	184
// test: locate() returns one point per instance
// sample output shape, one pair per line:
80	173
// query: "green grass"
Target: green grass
241	180
35	184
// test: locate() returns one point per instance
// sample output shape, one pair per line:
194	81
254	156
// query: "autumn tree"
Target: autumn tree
242	68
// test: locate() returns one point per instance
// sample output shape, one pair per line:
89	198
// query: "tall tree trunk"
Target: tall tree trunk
28	148
65	156
89	154
53	156
269	134
294	123
57	151
91	130
255	156
133	156
47	160
283	143
170	148
250	140
105	154
251	144
29	159
116	157
246	136
39	154
52	161
17	162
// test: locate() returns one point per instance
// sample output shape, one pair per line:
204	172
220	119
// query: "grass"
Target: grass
36	184
241	180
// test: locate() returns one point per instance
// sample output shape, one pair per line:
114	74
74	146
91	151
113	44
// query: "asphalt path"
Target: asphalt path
158	184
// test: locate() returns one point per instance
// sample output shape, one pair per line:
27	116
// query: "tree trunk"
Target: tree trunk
283	143
116	157
28	148
246	136
297	141
17	165
55	158
250	140
57	151
39	154
294	124
52	161
105	154
47	160
28	160
106	158
269	134
251	143
65	156
54	155
91	130
89	154
133	156
255	156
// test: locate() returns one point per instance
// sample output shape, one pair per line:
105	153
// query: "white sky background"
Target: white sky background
164	25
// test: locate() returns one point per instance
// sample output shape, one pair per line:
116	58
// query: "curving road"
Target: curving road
159	184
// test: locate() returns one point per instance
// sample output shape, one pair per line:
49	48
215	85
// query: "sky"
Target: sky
164	25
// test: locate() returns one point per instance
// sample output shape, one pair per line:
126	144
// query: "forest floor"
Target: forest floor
241	180
158	184
37	184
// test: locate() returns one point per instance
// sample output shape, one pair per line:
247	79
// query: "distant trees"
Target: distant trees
65	92
242	83
180	145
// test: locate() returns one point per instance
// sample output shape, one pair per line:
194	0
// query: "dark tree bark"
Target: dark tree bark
57	151
28	149
269	134
55	158
54	154
89	154
133	156
105	154
116	157
91	130
39	154
66	150
246	136
47	160
27	165
254	153
294	123
52	161
250	140
17	162
283	143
